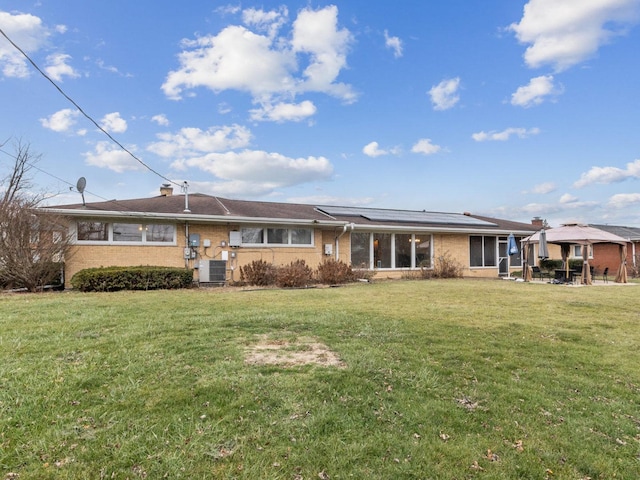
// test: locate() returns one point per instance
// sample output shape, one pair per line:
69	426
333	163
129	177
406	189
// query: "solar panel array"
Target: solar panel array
406	216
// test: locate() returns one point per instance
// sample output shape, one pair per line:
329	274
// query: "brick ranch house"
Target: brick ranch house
217	236
608	255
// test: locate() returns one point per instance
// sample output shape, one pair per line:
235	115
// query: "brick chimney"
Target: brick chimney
166	190
537	222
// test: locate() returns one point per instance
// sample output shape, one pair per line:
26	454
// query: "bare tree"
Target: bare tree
32	242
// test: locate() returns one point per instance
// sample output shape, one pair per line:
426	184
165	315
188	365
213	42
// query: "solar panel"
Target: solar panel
408	216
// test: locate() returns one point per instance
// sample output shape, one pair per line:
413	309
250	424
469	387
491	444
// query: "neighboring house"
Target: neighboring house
608	255
218	236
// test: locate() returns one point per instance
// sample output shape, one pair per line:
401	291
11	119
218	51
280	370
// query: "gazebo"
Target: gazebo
578	234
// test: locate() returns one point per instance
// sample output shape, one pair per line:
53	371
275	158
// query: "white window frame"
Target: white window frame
111	241
393	266
496	253
288	244
577	251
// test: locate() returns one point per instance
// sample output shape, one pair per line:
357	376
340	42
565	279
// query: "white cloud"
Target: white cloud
269	22
609	174
316	33
57	67
425	147
544	188
265	66
236	59
373	150
624	200
26	31
394	43
108	156
61	121
282	112
190	142
114	123
161	119
445	95
256	172
565	33
535	92
567	198
505	134
224	108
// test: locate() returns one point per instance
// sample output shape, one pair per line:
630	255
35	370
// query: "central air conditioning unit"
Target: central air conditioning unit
212	271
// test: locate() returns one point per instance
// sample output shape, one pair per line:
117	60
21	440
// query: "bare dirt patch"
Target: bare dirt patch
291	353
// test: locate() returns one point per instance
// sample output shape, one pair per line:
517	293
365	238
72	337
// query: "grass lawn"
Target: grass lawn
395	380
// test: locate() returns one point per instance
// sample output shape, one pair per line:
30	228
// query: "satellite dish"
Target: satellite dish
82	183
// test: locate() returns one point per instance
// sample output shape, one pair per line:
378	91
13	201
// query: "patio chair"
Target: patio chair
605	272
536	271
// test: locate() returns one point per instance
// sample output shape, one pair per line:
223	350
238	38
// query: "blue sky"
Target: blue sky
504	108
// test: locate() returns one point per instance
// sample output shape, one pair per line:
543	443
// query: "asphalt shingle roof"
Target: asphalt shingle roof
207	205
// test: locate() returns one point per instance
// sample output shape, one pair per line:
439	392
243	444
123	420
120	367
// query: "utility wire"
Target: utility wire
72	187
84	113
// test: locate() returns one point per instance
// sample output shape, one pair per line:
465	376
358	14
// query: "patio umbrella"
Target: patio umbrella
512	249
543	249
512	246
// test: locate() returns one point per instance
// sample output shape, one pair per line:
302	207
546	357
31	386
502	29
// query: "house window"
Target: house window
102	232
252	235
127	232
301	236
277	236
390	250
577	251
93	231
482	251
360	248
403	250
422	256
160	233
382	250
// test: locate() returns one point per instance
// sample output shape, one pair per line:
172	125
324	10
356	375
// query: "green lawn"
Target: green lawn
436	380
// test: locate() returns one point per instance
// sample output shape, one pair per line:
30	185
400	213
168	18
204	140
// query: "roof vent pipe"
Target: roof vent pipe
185	189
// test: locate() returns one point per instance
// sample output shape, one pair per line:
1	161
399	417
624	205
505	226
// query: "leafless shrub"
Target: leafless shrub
332	272
258	273
296	274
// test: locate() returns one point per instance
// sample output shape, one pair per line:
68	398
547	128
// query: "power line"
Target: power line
87	116
71	186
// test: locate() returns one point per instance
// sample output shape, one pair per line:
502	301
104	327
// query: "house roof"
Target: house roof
632	234
207	208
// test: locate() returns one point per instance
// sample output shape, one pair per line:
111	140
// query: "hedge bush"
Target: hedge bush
332	272
111	279
258	273
295	275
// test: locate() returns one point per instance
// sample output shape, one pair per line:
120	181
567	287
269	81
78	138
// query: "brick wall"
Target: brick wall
454	246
